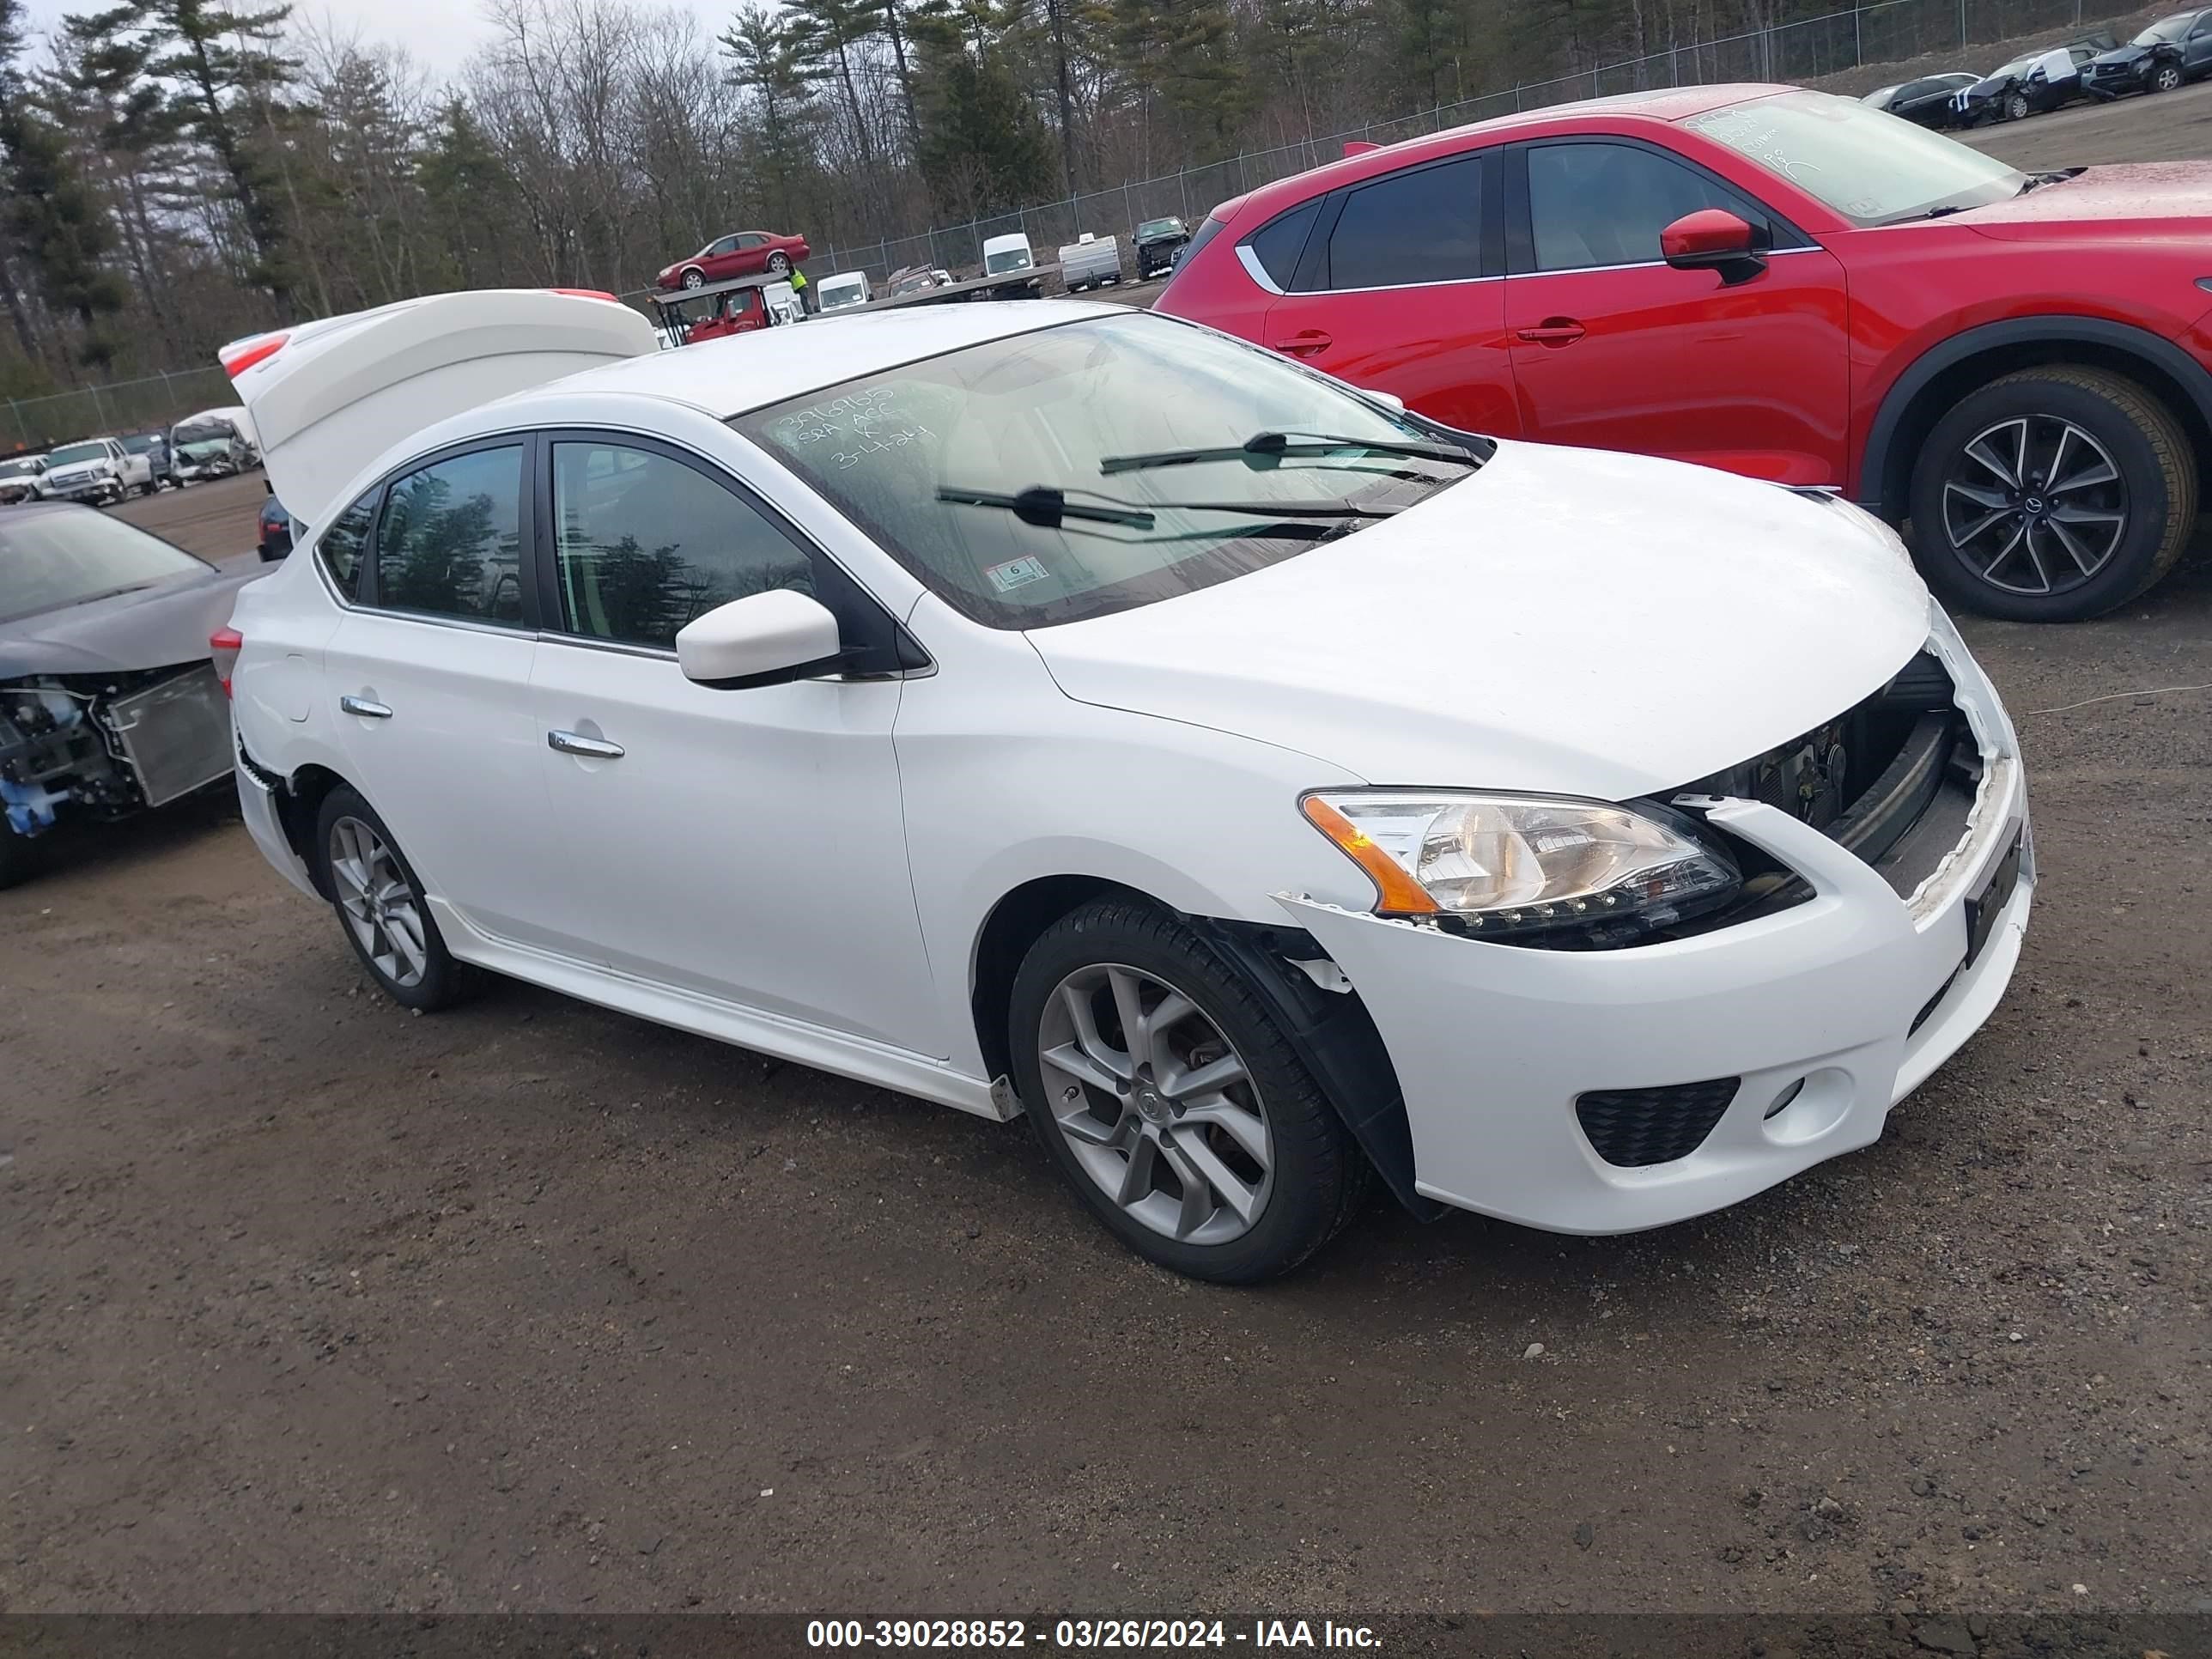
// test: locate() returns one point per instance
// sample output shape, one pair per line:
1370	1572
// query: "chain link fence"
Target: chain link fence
123	406
1893	32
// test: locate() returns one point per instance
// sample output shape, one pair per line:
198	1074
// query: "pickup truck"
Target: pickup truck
98	470
1090	261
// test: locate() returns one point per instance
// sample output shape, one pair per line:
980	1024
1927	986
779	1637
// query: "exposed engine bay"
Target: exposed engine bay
105	745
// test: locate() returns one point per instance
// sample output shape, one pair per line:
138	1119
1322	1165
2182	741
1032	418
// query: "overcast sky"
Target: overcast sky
439	33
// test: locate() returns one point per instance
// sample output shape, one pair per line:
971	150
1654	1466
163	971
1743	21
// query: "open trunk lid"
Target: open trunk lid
327	397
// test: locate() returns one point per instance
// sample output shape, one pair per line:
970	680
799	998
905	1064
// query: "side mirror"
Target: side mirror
764	638
1712	239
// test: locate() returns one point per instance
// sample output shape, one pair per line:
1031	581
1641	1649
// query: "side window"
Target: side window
450	541
644	543
724	245
343	545
749	239
1277	243
1605	204
2201	27
1421	226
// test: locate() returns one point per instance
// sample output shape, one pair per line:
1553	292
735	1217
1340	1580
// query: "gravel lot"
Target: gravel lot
312	1304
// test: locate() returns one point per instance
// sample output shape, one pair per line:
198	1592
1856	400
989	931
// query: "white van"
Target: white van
846	288
1010	257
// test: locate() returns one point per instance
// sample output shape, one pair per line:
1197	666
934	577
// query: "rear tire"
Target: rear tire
380	908
2103	506
1273	1173
779	264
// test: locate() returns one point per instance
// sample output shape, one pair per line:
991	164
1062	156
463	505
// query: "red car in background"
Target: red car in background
1786	285
741	254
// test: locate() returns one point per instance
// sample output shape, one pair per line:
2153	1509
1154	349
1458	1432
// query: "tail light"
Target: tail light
248	352
223	646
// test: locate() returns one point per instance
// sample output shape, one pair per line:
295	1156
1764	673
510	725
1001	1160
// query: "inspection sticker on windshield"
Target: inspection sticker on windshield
1016	572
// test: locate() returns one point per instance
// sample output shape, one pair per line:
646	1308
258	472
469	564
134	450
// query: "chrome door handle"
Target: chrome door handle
574	742
365	708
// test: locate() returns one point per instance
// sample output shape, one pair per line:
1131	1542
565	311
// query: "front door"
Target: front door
743	845
1395	286
429	687
1613	349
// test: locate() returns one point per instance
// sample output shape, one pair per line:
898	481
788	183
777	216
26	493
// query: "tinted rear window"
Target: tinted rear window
1421	226
1277	243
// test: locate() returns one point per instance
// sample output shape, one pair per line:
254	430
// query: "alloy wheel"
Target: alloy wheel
2167	79
695	279
1156	1104
2035	505
779	263
380	904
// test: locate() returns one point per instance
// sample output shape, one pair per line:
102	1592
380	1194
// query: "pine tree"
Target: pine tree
983	148
766	61
52	214
225	70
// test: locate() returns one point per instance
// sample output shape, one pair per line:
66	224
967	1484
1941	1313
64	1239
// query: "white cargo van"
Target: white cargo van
846	288
1010	257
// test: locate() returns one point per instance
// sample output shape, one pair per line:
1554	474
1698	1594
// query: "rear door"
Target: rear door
1613	349
1395	284
750	255
429	682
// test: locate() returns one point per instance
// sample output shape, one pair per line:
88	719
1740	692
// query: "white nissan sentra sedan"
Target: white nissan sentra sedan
1061	710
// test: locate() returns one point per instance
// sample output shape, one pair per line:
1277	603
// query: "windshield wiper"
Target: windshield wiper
1049	508
1275	445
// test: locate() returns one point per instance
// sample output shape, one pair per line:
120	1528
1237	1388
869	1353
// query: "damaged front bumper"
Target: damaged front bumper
1791	1036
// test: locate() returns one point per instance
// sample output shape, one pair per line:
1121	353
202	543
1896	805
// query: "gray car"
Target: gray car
110	699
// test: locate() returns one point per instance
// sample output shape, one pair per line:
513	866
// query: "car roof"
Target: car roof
1665	107
734	375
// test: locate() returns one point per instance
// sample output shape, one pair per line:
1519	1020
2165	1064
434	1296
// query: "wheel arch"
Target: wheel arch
299	805
1949	371
1330	1030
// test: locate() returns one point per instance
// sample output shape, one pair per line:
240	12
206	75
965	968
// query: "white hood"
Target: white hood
1566	621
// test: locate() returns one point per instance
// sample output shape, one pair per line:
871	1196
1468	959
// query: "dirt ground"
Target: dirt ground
310	1303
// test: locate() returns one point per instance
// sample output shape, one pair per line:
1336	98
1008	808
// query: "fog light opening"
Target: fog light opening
1782	1101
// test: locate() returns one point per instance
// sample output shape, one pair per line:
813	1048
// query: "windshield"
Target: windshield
68	453
1870	166
203	434
852	294
140	445
53	559
1047	409
1160	228
2167	28
18	469
1008	258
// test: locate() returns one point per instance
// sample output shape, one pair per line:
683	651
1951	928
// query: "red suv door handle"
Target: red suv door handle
1306	341
1553	331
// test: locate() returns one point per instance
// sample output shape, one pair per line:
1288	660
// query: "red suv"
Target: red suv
1786	285
741	254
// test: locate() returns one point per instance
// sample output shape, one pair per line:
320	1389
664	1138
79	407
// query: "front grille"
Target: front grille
177	733
1869	777
1635	1128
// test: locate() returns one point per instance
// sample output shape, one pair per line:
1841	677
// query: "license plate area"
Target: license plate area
1983	908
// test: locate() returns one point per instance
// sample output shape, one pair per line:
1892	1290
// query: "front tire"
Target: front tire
19	855
2166	78
2052	494
1161	1086
2016	106
380	908
694	278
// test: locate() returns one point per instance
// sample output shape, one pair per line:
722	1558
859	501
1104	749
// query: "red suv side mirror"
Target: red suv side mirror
1712	239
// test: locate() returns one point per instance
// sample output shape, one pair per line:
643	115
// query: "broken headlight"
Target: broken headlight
1517	864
